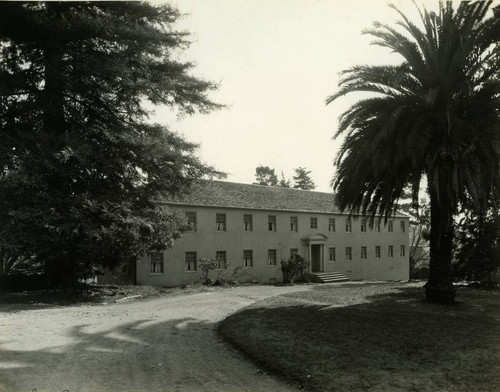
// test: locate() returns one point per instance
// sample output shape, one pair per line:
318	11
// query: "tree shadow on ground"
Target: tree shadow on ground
391	340
145	355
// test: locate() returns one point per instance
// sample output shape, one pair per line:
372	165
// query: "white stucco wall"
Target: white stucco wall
206	240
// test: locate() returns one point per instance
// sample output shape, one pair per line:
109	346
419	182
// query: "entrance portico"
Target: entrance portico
315	251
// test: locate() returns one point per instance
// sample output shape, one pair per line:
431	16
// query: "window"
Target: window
248	258
363	252
294	224
314	223
363	225
220	222
271	222
402	252
248	222
377	252
402	224
271	257
332	254
331	224
348	227
390	227
221	258
294	251
190	261
390	251
348	253
191	220
377	225
156	263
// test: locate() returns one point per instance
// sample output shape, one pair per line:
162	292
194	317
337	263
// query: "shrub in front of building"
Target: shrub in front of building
292	268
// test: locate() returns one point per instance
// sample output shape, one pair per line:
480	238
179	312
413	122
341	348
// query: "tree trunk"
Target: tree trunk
54	129
439	287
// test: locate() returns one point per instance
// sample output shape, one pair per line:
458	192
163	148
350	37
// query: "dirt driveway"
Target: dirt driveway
163	344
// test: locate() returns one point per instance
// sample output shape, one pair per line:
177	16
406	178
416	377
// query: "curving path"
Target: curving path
162	344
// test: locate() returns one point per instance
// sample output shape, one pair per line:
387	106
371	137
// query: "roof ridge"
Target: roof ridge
273	187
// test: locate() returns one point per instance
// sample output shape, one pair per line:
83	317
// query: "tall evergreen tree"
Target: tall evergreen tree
303	180
434	116
81	167
282	182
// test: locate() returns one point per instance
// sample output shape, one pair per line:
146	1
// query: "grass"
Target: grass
377	337
92	295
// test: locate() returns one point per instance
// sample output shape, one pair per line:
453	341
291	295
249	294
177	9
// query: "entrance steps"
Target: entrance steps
326	277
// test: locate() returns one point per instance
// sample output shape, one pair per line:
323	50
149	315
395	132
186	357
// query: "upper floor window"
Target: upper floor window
294	223
190	261
348	225
331	224
390	226
314	223
402	224
363	252
377	225
402	252
271	222
156	263
248	258
248	222
390	251
363	225
191	220
220	222
271	257
377	252
221	258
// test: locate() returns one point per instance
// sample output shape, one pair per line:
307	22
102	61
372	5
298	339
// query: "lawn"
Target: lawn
377	337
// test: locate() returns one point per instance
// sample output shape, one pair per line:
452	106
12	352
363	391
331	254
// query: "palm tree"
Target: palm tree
436	116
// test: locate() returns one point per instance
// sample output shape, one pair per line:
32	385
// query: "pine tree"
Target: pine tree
303	179
81	167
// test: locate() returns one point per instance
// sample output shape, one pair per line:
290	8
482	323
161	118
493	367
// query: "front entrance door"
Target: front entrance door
316	262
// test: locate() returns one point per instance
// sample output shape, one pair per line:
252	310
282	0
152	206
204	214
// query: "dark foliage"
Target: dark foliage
81	167
435	116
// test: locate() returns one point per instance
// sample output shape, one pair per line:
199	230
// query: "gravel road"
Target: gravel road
162	344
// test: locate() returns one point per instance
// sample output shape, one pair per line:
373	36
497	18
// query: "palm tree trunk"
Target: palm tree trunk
439	287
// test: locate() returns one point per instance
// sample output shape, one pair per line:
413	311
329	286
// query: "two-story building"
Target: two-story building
256	226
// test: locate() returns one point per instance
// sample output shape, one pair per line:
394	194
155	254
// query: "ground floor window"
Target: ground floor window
156	263
363	252
248	258
190	261
221	258
377	252
271	257
390	251
402	253
332	254
348	253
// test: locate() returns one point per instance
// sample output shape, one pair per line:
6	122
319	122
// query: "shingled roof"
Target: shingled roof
258	197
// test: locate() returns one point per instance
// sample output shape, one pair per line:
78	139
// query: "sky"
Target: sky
276	62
